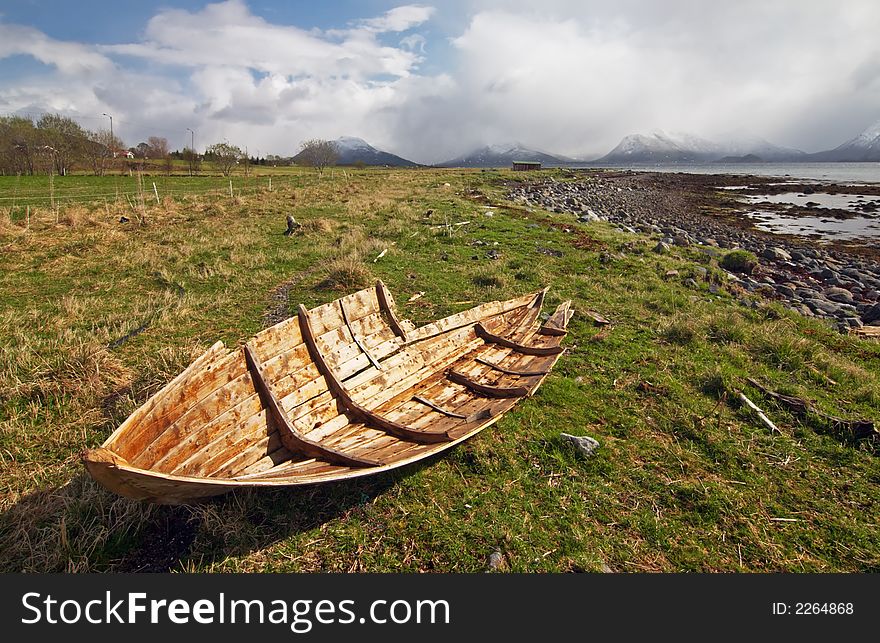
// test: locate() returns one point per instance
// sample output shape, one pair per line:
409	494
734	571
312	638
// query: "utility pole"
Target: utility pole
192	147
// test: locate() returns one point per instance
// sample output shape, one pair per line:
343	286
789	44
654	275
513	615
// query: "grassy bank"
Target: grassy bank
97	315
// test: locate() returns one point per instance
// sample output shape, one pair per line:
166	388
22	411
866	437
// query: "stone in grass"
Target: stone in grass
739	261
496	561
661	248
583	443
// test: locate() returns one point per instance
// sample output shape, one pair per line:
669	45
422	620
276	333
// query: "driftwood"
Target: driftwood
760	413
292	226
598	319
857	429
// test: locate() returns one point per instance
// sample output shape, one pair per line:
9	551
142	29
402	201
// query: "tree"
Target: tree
141	150
318	153
193	161
158	147
100	147
64	138
225	156
19	143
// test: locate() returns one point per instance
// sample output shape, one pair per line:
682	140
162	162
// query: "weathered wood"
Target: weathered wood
510	371
386	306
290	436
360	412
759	412
292	226
519	348
437	408
355	338
857	429
351	391
484	389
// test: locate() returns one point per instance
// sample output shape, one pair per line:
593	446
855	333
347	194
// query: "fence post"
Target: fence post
156	192
230	189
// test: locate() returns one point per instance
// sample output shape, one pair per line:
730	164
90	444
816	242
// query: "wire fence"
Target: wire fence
19	192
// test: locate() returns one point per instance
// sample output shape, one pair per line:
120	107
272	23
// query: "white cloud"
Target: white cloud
414	42
227	34
568	76
68	57
574	77
400	18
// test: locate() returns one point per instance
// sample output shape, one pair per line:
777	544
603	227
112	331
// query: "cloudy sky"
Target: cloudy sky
430	81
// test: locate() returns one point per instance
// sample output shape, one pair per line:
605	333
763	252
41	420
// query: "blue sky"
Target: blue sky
431	80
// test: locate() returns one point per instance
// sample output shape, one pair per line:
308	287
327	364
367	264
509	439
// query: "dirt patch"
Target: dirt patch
279	309
162	543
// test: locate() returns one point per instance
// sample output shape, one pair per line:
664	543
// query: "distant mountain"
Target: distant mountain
354	150
864	147
660	147
746	158
503	155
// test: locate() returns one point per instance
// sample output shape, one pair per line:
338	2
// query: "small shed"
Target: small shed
522	166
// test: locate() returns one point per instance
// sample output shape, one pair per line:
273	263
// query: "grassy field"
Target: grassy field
96	315
120	185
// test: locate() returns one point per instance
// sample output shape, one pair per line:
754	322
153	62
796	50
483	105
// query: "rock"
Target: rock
690	283
662	248
840	295
124	219
775	254
583	443
822	306
785	291
493	254
671	273
496	561
872	314
681	240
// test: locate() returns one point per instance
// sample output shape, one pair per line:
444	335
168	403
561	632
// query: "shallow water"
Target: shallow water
831	172
826	228
835	201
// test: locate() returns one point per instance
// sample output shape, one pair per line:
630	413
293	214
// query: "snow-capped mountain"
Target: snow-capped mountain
500	155
762	149
354	150
662	147
864	147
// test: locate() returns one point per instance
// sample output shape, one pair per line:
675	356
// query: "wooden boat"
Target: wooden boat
339	391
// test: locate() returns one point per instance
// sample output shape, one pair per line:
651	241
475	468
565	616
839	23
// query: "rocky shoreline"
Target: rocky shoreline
838	284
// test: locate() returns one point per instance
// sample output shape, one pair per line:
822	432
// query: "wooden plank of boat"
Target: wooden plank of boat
290	436
486	389
338	392
509	371
520	348
360	412
387	306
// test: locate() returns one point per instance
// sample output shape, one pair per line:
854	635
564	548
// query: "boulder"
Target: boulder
872	314
775	254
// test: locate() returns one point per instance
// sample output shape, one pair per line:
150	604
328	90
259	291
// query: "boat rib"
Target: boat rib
340	391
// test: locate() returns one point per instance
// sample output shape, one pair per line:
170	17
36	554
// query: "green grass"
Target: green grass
685	479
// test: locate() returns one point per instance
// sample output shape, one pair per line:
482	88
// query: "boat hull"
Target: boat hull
341	391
